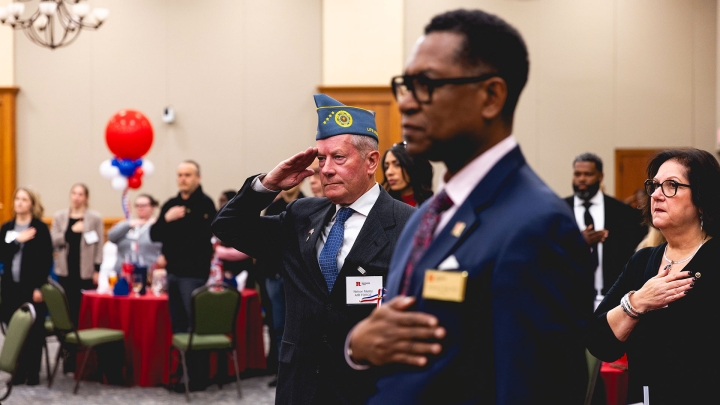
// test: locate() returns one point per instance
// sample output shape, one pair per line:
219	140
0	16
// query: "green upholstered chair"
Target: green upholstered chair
214	312
593	374
49	332
67	332
15	337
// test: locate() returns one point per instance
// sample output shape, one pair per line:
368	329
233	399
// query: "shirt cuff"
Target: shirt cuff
348	358
258	186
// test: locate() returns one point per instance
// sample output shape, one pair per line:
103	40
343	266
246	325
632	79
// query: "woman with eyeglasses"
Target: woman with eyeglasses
26	255
407	179
132	237
663	308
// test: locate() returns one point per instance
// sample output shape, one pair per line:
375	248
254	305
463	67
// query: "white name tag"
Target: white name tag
363	290
91	237
11	236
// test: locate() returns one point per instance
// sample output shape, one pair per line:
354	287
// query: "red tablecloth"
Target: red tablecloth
148	335
615	377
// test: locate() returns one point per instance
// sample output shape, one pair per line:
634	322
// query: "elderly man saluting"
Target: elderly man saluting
335	251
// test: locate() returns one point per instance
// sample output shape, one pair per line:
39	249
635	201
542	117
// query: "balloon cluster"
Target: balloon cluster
129	136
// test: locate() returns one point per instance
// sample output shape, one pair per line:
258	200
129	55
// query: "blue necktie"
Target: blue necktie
328	255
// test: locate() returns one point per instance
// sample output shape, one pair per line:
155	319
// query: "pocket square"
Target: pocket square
450	263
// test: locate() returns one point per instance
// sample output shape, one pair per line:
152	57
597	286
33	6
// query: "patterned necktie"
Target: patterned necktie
589	221
424	234
329	253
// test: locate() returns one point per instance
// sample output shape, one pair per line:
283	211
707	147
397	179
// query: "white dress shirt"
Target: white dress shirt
353	224
464	182
597	210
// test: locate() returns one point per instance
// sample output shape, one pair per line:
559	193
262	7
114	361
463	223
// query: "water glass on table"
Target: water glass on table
138	282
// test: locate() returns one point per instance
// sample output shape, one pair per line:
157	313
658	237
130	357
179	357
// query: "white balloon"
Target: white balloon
148	167
119	183
107	170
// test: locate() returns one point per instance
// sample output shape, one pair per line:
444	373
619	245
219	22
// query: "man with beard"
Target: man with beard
612	228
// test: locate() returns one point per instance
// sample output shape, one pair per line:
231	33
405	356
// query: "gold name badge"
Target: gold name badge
445	285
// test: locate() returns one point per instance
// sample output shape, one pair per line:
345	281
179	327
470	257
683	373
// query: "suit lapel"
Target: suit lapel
372	237
308	236
466	219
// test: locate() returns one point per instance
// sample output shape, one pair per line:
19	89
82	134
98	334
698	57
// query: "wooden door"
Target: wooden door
374	98
7	152
631	172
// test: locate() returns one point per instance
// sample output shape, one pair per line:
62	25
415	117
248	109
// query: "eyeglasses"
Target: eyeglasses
669	187
403	144
142	205
422	86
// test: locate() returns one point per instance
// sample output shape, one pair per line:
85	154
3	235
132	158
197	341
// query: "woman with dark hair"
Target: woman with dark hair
132	237
660	309
406	178
26	255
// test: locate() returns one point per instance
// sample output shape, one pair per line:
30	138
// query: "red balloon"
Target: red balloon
129	134
134	181
139	172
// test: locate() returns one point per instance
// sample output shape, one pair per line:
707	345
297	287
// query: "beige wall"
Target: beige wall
240	75
362	41
7	74
605	75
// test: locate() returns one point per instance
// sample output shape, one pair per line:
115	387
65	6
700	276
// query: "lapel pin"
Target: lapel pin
362	271
458	229
310	232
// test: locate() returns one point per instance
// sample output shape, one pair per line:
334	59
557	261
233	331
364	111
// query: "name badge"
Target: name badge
363	290
91	237
445	285
11	236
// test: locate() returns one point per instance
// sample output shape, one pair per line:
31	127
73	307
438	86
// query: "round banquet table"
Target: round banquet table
148	334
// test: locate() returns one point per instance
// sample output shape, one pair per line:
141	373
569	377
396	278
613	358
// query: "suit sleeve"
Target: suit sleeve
118	231
541	303
159	229
57	233
239	224
98	255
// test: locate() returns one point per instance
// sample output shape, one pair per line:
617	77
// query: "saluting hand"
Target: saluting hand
593	237
392	335
290	172
78	226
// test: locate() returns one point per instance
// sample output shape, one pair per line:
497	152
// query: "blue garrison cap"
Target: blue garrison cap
336	118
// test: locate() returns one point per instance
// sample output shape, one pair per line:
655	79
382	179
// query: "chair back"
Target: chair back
593	364
56	301
215	309
15	337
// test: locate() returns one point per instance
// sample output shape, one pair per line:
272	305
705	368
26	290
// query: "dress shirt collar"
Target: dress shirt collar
463	182
597	199
364	203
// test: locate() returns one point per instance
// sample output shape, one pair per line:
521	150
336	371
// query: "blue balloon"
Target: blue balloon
114	162
126	167
138	162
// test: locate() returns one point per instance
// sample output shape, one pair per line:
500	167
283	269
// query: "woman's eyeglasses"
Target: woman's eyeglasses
669	187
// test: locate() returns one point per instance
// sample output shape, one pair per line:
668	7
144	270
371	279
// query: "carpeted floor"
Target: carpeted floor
254	391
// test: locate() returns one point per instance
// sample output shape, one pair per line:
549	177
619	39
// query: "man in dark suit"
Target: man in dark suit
490	284
335	251
610	227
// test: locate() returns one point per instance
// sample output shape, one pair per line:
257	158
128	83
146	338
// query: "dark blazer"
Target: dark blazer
679	340
37	258
316	322
517	337
626	230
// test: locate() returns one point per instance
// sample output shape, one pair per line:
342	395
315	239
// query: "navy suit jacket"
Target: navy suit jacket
517	337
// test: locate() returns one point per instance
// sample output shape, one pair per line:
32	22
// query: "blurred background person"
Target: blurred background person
77	237
406	178
657	312
314	180
26	255
132	237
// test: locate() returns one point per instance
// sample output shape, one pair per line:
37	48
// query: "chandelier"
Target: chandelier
54	23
